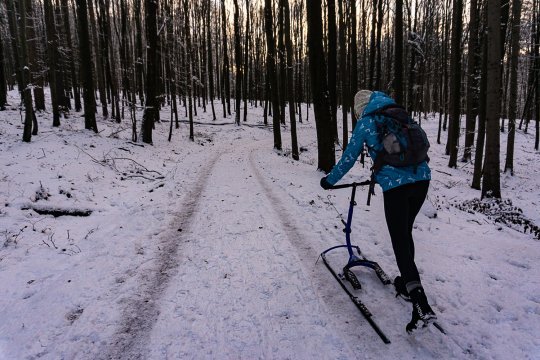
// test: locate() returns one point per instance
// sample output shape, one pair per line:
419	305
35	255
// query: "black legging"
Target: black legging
401	205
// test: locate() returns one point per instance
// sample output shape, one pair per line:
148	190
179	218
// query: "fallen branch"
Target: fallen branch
442	172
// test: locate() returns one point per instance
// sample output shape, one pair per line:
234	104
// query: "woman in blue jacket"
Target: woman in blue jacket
404	191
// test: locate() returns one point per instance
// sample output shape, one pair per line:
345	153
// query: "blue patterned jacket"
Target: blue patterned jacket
366	132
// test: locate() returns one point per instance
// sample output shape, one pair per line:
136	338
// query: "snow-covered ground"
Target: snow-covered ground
209	250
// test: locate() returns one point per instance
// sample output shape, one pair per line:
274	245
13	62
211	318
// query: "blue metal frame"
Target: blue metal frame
354	259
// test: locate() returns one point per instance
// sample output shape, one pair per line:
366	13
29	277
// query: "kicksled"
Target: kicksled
356	259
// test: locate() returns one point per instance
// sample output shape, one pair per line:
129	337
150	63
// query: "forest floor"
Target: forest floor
210	249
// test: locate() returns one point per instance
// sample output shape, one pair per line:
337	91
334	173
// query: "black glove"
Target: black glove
325	184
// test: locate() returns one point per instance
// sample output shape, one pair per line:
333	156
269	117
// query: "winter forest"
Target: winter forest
113	58
160	167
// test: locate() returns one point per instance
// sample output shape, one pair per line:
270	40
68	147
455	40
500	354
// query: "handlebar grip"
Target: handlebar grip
343	186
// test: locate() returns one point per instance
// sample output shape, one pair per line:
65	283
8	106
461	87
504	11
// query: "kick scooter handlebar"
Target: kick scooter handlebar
354	184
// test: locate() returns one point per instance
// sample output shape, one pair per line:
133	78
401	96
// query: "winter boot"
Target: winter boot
401	289
413	324
421	309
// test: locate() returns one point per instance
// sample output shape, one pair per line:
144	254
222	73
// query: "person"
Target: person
404	191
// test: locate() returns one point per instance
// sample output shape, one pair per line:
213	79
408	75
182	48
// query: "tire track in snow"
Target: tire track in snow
140	314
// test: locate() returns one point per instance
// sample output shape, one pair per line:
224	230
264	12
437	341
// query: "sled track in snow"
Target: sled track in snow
141	313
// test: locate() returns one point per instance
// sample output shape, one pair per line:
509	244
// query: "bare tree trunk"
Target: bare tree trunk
129	85
238	62
34	59
319	87
363	45
332	66
246	59
491	177
210	57
53	60
86	65
151	103
25	71
15	36
72	57
139	65
398	53
353	46
108	60
300	56
531	86
481	136
343	74
271	63
225	78
290	80
455	71
282	67
372	48
99	66
472	82
378	62
3	87
512	103
536	51
187	30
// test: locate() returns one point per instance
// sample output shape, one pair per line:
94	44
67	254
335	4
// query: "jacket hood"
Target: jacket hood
377	101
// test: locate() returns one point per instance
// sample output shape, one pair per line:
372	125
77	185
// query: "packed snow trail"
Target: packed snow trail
240	279
249	299
140	314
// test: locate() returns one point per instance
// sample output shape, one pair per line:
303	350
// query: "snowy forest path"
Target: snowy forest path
249	297
258	291
140	314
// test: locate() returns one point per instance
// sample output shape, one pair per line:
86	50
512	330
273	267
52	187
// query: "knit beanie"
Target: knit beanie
361	99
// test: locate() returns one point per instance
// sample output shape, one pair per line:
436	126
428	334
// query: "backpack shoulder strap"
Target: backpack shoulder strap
383	110
395	112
